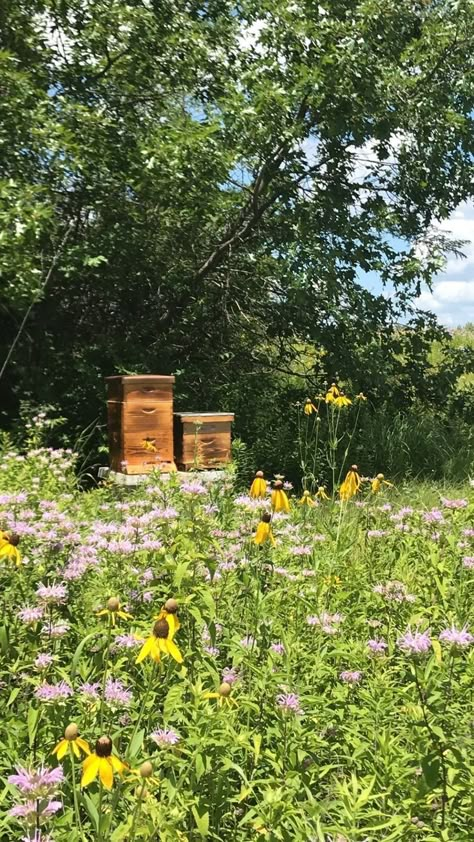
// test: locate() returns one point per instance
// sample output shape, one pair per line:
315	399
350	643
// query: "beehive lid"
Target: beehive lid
207	416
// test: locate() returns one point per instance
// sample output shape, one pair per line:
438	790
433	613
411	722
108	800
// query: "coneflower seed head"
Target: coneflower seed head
103	747
161	629
266	517
225	689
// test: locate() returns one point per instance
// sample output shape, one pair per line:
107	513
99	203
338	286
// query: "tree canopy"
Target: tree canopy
201	187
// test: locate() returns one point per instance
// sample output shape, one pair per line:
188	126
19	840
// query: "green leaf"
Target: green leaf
202	822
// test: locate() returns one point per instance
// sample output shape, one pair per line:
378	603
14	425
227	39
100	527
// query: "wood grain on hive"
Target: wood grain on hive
140	423
202	439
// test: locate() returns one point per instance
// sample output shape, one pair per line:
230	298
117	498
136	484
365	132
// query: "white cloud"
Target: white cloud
452	296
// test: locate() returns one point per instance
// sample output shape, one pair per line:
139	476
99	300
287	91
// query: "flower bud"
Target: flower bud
225	689
171	606
71	732
146	769
113	604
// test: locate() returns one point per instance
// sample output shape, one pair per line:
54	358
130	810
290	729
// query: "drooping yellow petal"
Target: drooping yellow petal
61	749
101	613
145	650
258	487
75	748
211	696
83	744
174	651
90	769
117	765
106	773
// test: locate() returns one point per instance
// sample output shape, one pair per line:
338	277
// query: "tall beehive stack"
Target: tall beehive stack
140	423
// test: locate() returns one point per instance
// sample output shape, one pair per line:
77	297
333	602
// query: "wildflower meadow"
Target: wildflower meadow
192	660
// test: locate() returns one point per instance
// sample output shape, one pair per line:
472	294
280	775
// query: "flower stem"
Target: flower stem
74	792
104	680
136	812
142	708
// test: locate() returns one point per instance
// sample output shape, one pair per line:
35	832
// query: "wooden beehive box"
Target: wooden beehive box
202	439
140	423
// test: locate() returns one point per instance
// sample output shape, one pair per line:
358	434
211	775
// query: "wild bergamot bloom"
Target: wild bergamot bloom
280	502
351	484
306	499
160	642
169	612
321	493
114	610
71	740
378	482
264	531
223	695
309	407
259	485
102	764
9	547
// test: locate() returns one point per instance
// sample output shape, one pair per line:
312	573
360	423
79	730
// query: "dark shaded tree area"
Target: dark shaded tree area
198	188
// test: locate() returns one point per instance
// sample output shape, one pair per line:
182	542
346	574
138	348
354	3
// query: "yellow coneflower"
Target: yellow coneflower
309	407
223	695
306	499
280	502
73	740
114	610
160	643
332	581
102	764
9	547
342	400
321	493
332	393
259	486
149	444
377	483
169	612
264	531
351	484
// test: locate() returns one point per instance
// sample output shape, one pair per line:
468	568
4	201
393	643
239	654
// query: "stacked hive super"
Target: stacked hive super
140	415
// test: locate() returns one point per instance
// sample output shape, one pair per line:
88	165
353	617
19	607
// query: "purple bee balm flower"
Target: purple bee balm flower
116	693
37	783
277	648
51	594
213	651
127	641
301	550
230	675
377	647
89	691
165	737
387	507
468	533
289	703
454	504
350	676
415	643
43	660
193	488
31	614
468	562
457	638
55	630
434	516
35	810
54	692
